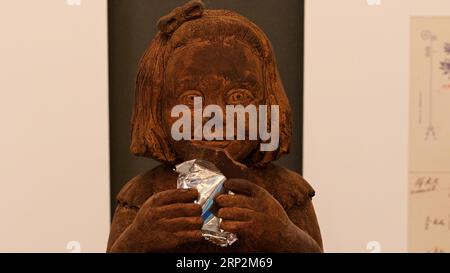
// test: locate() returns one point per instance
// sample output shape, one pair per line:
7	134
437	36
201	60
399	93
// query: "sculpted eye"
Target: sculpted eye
239	96
187	98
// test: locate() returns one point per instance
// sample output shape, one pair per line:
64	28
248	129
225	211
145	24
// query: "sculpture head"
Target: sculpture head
217	55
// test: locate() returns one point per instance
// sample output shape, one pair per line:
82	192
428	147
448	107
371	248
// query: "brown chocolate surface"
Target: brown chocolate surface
227	60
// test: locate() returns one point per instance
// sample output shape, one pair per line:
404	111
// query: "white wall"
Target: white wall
356	118
54	163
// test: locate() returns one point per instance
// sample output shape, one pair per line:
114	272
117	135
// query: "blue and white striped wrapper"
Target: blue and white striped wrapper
208	181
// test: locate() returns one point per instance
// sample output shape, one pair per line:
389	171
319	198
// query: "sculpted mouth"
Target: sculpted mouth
211	143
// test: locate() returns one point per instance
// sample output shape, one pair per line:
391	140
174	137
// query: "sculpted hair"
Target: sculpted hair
180	27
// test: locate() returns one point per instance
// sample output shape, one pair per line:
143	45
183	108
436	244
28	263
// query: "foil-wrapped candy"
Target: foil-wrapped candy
208	181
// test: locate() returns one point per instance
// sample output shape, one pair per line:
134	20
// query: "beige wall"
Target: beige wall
356	118
54	175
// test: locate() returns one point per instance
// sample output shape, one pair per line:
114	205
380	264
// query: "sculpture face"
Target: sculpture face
223	58
224	72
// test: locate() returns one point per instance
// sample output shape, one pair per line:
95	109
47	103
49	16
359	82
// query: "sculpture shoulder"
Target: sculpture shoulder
287	186
140	188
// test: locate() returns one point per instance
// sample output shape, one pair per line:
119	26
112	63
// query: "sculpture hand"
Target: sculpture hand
166	220
259	220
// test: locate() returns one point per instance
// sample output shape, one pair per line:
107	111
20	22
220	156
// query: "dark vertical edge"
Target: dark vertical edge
110	98
302	72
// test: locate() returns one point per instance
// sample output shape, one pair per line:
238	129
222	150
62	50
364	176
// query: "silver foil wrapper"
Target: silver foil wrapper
208	180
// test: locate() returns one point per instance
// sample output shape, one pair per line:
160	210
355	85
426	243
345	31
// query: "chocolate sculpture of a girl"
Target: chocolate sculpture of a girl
225	59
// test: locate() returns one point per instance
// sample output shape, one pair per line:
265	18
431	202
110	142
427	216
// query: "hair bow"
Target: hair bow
172	21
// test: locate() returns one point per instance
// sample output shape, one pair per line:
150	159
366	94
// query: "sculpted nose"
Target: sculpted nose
215	98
